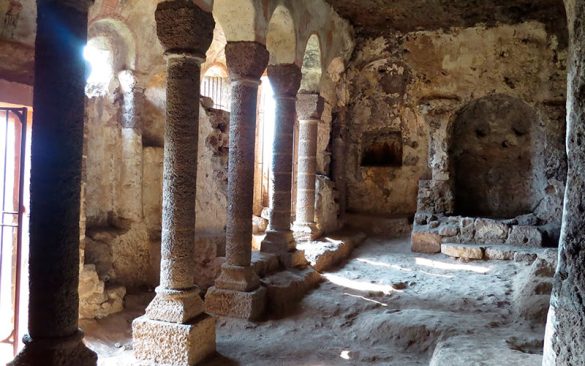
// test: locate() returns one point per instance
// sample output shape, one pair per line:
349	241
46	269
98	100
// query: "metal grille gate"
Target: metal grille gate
12	160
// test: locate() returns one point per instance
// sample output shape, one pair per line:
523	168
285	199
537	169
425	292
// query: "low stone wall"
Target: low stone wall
430	231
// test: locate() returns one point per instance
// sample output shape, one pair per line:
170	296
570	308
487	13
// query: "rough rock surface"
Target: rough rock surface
565	338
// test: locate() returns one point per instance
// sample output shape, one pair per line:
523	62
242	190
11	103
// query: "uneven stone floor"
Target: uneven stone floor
384	306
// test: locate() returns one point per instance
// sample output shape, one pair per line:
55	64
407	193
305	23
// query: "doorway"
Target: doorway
14	166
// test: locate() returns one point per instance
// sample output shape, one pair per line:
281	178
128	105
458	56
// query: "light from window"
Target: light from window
100	61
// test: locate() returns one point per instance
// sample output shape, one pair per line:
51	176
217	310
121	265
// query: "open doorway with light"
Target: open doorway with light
15	127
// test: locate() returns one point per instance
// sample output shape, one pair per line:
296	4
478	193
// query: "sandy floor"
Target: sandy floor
384	306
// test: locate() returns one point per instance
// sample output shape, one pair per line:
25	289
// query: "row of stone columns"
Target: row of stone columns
175	329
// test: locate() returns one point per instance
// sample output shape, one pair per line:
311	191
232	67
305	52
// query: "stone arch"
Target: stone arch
238	19
281	40
312	69
215	55
119	38
495	159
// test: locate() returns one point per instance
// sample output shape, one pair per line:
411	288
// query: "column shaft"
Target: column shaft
56	157
180	172
307	165
237	291
241	172
310	109
282	163
129	205
285	80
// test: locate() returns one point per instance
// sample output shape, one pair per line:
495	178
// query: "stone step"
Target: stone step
329	251
495	252
287	288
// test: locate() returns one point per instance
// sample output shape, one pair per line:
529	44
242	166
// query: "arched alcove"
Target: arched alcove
120	39
312	66
281	39
495	158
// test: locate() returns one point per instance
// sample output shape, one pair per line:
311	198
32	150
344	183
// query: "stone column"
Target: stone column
57	146
237	291
564	342
285	81
309	110
129	200
175	330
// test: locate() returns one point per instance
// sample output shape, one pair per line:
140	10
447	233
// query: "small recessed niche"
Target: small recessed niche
382	149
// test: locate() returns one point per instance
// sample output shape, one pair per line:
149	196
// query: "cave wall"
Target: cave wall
414	84
497	158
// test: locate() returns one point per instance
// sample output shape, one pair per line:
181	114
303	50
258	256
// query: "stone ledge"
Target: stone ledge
287	288
496	252
325	253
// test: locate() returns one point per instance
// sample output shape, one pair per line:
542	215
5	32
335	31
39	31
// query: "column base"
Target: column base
294	259
237	278
165	343
68	351
304	232
175	306
278	242
236	304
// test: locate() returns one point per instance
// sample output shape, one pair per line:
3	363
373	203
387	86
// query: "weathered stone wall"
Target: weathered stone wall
413	85
17	38
565	339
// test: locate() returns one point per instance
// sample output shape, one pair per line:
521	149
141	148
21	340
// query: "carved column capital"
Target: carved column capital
285	79
246	60
310	106
184	28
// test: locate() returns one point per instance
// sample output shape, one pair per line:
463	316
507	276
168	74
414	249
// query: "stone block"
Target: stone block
499	252
462	251
448	230
175	306
174	344
294	259
285	289
259	225
467	229
525	257
236	304
528	236
425	242
435	196
527	220
490	231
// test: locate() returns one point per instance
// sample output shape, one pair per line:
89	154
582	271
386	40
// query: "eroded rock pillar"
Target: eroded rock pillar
175	330
565	329
54	338
309	111
285	81
237	291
